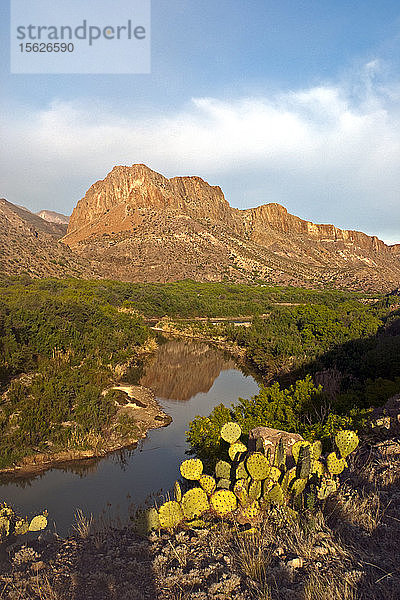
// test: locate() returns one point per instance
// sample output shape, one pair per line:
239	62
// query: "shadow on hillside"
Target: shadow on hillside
374	357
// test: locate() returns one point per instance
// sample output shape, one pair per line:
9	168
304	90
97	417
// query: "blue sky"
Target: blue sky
294	102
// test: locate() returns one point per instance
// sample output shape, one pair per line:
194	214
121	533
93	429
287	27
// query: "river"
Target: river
189	378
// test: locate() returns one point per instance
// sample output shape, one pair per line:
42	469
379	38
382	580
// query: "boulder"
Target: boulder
386	419
270	439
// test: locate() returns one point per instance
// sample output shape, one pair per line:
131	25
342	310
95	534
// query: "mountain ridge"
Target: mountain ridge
137	225
143	226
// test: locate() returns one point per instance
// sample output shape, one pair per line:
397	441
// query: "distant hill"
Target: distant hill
29	244
53	217
142	226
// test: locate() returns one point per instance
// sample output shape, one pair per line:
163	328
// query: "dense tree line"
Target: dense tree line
327	366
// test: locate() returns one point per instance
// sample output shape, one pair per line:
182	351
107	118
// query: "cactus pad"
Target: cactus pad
146	521
303	466
316	450
298	486
241	472
38	523
224	483
275	495
208	484
223	502
289	475
235	450
296	448
255	490
280	454
223	469
196	524
258	466
170	514
317	467
274	474
195	503
231	432
192	469
335	465
347	441
240	491
177	491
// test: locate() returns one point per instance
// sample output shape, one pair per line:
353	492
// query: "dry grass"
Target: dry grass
40	588
323	587
346	550
83	525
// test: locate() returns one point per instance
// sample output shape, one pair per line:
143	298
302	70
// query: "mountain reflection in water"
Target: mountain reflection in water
189	378
181	369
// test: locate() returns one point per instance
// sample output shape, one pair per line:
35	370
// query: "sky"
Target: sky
296	102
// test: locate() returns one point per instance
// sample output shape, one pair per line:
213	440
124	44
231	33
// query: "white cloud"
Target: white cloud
325	152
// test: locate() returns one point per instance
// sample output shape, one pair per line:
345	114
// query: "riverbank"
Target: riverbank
141	408
345	549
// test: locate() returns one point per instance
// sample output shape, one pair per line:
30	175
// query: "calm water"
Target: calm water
189	379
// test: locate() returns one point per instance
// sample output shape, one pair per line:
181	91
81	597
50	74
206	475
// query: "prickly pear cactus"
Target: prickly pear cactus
316	450
223	469
255	490
318	468
177	491
296	448
231	432
289	475
5	523
223	502
249	513
196	524
21	527
170	514
257	466
335	465
303	466
224	484
241	472
38	523
146	521
192	469
298	486
280	455
346	441
208	484
195	503
240	491
275	474
236	450
275	495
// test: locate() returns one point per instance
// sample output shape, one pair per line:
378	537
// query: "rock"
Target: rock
320	550
295	563
271	437
386	419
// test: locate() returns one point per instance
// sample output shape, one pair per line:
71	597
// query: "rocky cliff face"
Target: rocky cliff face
142	226
29	244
